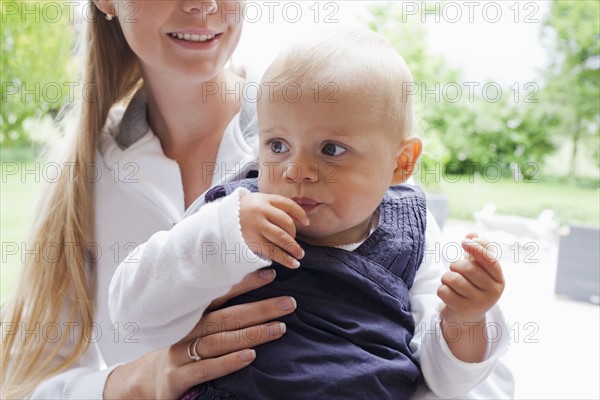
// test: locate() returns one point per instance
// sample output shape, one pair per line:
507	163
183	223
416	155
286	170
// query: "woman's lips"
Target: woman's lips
195	40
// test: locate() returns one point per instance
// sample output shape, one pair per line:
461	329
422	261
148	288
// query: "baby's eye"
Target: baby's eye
332	149
277	146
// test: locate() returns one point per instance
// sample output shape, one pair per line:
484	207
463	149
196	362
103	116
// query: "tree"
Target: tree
469	134
36	43
573	81
409	37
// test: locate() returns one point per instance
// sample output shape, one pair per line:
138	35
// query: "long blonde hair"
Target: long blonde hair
62	286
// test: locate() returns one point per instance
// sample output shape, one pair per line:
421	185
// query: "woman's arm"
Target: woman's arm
177	273
167	283
225	347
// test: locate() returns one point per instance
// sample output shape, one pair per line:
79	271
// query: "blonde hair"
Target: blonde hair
62	287
356	61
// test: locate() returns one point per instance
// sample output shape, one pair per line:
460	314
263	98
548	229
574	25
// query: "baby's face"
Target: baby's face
334	159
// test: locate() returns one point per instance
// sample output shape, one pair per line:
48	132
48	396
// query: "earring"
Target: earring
108	16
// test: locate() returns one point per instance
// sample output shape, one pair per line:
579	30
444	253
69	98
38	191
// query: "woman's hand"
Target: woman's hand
226	341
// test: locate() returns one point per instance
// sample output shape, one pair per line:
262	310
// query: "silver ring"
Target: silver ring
194	356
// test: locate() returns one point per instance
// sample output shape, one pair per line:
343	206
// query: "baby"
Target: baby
335	148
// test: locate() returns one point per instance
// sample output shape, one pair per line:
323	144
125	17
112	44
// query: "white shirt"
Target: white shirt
139	194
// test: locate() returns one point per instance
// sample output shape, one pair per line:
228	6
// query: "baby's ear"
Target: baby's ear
409	151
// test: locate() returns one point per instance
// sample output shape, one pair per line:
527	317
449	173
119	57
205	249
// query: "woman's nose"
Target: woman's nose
200	6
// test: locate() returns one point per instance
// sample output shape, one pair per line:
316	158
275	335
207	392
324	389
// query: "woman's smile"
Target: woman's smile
196	39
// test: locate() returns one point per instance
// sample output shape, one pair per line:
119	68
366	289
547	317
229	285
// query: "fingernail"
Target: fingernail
248	355
277	329
267	274
471	242
286	304
295	263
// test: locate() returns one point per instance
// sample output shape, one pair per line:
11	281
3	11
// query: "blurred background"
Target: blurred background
507	100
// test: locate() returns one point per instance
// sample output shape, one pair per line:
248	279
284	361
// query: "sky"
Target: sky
490	41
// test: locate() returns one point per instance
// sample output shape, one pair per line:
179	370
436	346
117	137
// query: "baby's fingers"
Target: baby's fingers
459	284
451	298
283	234
282	246
291	208
474	273
483	254
281	257
283	220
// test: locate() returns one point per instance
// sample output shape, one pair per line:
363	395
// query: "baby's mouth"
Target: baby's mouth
306	203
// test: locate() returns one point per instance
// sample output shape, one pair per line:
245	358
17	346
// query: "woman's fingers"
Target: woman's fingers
194	373
222	343
243	316
250	282
226	338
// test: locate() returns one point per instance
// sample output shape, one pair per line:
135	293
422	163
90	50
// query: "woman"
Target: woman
185	131
73	212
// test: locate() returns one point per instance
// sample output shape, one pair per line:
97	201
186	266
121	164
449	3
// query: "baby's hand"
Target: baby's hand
473	285
268	227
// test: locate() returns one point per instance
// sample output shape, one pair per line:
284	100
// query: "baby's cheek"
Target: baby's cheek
266	183
302	230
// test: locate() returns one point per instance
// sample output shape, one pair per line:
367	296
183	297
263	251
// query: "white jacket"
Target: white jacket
139	193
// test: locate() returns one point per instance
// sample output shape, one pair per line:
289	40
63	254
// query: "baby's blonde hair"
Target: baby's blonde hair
351	60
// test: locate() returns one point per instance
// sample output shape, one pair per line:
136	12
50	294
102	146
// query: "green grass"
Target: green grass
570	203
16	206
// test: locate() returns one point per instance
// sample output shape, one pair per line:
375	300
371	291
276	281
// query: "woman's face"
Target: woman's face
187	39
